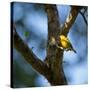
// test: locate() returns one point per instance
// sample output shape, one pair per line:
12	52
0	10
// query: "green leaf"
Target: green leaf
26	34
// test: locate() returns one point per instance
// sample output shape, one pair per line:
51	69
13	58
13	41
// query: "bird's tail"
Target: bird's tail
72	49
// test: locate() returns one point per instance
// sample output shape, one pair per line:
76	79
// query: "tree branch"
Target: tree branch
70	19
53	20
52	68
29	56
54	56
82	14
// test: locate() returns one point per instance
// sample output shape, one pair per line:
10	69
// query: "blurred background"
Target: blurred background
32	25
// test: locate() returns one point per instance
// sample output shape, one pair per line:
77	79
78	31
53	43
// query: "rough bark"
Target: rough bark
54	56
51	68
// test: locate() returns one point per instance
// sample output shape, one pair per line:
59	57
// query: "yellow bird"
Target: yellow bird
64	43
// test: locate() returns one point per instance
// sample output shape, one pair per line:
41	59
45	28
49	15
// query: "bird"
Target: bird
65	44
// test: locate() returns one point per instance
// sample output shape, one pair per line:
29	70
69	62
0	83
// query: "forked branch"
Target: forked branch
52	68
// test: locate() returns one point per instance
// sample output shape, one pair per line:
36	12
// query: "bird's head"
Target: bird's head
62	37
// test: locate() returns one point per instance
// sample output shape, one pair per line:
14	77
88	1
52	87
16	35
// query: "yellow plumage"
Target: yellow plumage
65	43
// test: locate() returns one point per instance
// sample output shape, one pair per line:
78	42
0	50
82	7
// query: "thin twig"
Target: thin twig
82	14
